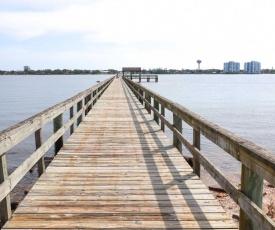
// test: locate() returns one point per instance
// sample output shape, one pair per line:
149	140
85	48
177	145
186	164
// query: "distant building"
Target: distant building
231	67
26	68
252	67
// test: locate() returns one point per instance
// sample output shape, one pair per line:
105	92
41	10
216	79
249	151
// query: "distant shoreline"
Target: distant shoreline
113	72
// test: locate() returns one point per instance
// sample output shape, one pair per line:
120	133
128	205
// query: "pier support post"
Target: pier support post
177	122
38	143
156	106
196	144
57	124
162	126
148	98
252	187
5	204
79	107
71	116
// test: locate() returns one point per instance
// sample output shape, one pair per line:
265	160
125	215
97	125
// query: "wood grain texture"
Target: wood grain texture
119	170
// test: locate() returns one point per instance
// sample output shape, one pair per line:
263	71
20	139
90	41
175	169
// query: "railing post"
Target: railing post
57	124
71	116
148	98
156	106
252	187
97	94
5	204
197	144
89	99
140	99
98	91
85	103
162	126
79	107
177	122
93	96
38	143
136	92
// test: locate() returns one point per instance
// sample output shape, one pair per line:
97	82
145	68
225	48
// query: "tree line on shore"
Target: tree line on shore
113	71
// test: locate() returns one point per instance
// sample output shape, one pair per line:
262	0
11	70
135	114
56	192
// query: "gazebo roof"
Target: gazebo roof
131	69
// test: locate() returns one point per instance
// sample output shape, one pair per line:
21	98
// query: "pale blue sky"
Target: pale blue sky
101	34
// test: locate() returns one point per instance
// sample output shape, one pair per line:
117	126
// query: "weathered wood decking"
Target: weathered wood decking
119	170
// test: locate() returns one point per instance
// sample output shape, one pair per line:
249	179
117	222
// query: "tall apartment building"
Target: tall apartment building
231	67
252	67
26	68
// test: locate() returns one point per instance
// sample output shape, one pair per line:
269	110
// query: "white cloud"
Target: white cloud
179	30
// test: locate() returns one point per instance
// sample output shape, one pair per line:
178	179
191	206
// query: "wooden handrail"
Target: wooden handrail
257	163
17	133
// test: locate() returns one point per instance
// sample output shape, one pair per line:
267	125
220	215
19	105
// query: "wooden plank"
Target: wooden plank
137	224
118	216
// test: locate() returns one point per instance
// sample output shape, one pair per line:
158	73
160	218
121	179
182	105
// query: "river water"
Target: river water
243	104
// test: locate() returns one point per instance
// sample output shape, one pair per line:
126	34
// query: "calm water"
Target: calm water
243	104
25	96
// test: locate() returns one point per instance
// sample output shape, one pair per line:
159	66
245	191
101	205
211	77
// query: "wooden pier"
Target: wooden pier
117	170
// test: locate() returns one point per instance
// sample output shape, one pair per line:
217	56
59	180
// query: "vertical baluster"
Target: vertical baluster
177	122
94	96
148	98
156	106
162	126
252	187
5	204
89	99
140	99
85	103
71	116
197	144
57	124
79	107
38	143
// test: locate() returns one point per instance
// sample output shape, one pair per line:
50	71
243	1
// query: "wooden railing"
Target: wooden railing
148	77
257	163
10	137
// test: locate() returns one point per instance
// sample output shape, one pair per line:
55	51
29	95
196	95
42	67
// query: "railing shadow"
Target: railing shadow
178	179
